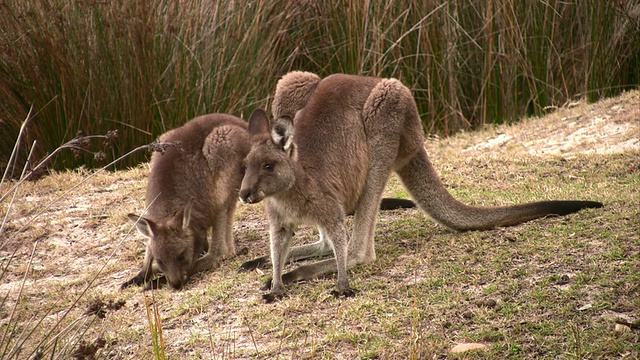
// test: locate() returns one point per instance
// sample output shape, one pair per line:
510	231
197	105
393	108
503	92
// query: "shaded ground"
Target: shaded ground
66	251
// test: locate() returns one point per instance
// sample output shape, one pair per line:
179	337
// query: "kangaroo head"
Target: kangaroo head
269	165
171	243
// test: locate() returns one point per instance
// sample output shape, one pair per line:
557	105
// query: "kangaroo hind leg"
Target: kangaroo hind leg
384	121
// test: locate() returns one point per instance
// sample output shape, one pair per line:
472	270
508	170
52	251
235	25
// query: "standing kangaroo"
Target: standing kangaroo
192	187
330	151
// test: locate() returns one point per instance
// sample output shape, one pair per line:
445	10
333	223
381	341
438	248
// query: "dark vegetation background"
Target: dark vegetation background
142	67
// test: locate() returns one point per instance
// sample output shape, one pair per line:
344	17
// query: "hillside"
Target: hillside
555	287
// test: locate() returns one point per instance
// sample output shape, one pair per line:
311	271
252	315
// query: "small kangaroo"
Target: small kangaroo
330	151
192	187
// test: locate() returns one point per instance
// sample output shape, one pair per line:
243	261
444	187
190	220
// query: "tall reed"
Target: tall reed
142	67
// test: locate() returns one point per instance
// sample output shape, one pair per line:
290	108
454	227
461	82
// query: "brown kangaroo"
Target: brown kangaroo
192	187
330	150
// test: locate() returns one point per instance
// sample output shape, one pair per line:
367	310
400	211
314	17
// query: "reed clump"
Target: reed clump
142	67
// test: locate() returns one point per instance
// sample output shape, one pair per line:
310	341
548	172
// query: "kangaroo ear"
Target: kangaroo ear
145	226
258	123
282	133
184	216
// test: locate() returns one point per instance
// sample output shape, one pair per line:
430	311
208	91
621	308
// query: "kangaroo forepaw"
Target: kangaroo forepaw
253	264
344	293
128	284
136	280
155	283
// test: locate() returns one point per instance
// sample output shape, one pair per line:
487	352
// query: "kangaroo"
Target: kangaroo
330	150
192	187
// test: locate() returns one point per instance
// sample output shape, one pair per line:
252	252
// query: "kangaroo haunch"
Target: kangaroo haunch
330	151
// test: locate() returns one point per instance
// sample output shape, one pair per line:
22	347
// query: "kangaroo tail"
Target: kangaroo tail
424	185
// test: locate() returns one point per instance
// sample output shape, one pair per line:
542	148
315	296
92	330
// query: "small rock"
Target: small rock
486	302
622	328
467	314
460	348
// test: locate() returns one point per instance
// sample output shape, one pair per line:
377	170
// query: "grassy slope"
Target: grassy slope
550	288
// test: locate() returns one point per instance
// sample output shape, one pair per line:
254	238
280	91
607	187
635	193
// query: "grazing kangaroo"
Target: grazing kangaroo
330	150
192	187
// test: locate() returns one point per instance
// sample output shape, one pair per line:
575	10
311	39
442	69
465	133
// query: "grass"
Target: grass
142	68
437	296
155	327
550	288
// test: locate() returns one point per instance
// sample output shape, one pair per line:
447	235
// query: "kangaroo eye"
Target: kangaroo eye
268	167
182	257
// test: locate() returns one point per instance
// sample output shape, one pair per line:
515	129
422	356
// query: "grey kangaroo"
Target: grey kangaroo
192	187
330	150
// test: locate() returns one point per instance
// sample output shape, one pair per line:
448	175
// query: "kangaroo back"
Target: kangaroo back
203	167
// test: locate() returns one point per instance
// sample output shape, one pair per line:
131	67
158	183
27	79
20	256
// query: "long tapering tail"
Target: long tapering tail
424	185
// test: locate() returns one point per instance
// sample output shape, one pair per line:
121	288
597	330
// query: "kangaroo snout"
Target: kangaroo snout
177	284
246	196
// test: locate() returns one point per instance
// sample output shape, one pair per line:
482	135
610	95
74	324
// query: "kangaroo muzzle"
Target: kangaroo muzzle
249	197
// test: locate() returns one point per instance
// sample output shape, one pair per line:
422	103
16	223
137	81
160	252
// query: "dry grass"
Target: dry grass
551	288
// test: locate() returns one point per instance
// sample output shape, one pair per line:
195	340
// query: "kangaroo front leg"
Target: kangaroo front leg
280	238
340	263
337	234
146	273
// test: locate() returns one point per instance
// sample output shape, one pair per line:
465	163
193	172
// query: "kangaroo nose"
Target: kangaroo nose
245	196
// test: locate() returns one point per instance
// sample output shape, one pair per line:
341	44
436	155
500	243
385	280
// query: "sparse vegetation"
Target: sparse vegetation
563	287
553	288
